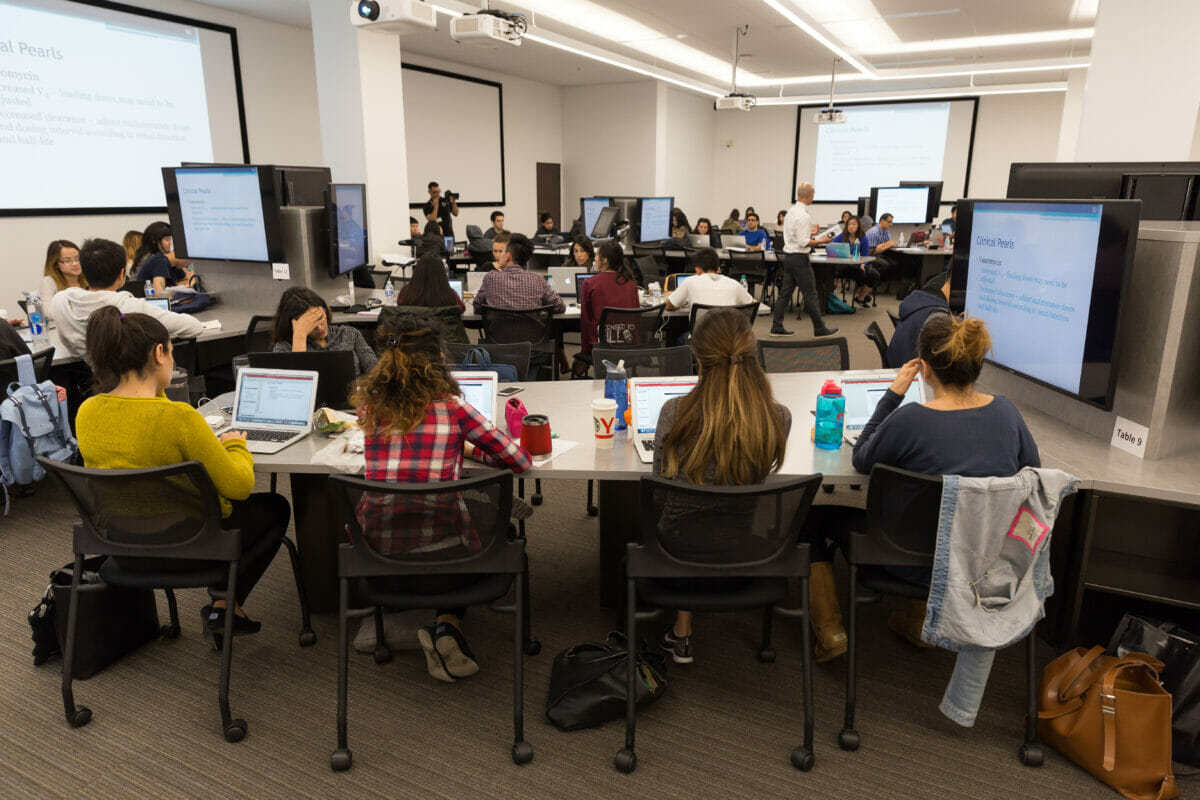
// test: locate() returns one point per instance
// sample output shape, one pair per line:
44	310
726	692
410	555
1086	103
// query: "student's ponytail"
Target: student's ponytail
954	348
615	258
120	343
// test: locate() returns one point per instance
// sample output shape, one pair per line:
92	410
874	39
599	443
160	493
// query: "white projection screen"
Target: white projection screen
881	144
453	128
97	97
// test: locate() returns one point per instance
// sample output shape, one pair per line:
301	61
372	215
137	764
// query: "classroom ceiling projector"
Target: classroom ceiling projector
393	15
827	116
490	28
736	102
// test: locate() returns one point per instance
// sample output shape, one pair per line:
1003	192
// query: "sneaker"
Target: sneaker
242	625
451	645
825	332
680	647
433	659
779	330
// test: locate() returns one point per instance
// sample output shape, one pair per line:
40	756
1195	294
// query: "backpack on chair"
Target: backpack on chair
33	422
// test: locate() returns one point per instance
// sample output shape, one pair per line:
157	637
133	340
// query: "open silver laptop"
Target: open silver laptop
479	391
646	399
475	280
733	240
862	393
562	280
273	406
698	239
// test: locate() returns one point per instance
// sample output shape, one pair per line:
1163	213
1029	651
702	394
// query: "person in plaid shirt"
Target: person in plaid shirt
417	430
510	286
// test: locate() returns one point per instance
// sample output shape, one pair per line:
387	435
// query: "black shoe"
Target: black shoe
680	647
242	625
825	332
779	330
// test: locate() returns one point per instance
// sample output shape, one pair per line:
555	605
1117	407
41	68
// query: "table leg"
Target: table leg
618	503
314	512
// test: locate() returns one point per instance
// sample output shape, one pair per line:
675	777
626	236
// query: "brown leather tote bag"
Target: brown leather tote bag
1112	717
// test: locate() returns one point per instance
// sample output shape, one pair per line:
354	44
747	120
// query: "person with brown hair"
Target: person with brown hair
728	431
303	322
132	363
63	270
132	243
155	260
429	293
418	430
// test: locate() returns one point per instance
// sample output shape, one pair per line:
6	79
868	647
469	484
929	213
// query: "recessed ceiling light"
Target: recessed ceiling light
922	13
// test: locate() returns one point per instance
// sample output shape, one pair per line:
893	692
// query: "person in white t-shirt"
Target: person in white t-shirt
799	234
708	287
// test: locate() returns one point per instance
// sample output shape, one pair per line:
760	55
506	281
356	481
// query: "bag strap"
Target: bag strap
25	374
1108	706
478	356
1076	673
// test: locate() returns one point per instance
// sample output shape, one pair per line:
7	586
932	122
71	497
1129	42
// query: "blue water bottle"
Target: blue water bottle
616	387
831	412
854	250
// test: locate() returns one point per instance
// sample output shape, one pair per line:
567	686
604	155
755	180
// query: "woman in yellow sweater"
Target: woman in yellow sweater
132	363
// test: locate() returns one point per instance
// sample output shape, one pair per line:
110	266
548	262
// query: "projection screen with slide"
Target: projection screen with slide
96	98
881	144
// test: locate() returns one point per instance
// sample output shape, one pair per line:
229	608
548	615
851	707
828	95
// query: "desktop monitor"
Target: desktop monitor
908	205
591	207
864	208
1083	180
605	221
346	207
933	211
1164	195
302	186
1048	278
654	218
224	213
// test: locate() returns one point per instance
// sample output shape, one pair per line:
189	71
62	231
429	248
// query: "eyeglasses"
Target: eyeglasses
62	261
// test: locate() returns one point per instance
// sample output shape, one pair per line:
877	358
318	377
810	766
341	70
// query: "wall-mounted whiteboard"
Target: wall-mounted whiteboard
454	130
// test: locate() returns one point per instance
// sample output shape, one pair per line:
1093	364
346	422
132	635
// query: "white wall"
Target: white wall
687	152
280	98
532	132
1012	127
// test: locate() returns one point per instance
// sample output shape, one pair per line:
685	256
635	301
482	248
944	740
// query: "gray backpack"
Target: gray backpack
33	422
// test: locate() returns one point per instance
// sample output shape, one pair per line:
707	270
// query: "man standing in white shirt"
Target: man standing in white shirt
795	270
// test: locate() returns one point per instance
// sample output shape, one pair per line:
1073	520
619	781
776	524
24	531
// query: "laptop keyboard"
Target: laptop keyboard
269	436
647	444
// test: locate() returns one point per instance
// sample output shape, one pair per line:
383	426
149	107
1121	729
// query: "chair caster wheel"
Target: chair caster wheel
592	511
308	639
848	739
1031	755
169	631
626	761
522	753
382	655
341	759
767	655
535	499
235	731
533	647
80	717
803	759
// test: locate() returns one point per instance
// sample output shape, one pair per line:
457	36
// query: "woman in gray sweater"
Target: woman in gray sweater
302	323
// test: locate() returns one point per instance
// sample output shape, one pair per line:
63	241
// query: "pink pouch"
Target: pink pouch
514	414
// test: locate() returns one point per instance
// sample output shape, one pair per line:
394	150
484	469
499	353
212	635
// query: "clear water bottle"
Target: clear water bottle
854	248
36	312
745	285
616	387
389	293
831	413
350	287
148	289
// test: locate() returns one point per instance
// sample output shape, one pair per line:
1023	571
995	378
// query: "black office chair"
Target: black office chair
533	325
895	320
515	355
699	309
677	256
745	540
167	513
41	368
753	266
651	269
645	362
875	334
258	333
899	529
657	252
473	515
630	327
813	355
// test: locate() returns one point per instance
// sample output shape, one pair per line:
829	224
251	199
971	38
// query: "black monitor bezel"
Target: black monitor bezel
331	213
934	206
640	202
272	224
1191	204
875	203
583	208
612	211
1118	225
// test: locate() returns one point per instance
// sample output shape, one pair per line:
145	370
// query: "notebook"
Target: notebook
646	399
478	391
862	393
273	406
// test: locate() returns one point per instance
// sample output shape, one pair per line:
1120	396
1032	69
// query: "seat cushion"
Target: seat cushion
395	594
736	594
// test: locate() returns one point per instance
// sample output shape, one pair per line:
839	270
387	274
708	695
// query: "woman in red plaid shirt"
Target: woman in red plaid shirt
417	431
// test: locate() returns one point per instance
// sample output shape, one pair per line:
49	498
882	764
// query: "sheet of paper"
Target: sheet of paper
559	446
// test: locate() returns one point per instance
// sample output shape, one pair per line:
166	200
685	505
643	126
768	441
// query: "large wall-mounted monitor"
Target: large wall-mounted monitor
591	208
908	205
1164	195
933	213
654	218
1048	277
1082	180
346	206
224	213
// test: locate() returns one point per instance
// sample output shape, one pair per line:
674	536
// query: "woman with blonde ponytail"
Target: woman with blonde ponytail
727	431
418	430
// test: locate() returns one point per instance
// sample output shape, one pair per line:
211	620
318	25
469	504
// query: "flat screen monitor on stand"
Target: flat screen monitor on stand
224	213
934	208
591	208
908	205
654	218
346	205
605	220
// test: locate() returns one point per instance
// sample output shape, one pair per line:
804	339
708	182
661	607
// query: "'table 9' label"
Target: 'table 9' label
1130	437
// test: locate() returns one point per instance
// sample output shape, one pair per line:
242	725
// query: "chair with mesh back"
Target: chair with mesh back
144	519
895	320
454	533
258	333
657	252
629	327
41	368
719	548
677	256
813	355
515	355
752	265
651	269
533	325
699	309
899	529
875	334
645	362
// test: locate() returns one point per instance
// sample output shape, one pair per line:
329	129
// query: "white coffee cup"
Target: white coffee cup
604	420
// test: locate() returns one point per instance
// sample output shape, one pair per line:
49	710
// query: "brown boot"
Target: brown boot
908	621
826	615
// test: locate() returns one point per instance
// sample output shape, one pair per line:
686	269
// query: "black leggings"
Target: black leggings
263	520
824	521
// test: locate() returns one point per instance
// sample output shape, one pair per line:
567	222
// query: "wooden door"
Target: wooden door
549	198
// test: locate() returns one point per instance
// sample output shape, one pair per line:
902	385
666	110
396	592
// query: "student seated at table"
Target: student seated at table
704	228
728	431
708	286
62	271
155	260
497	225
103	265
732	225
583	253
546	227
431	241
932	298
132	425
429	294
756	238
417	430
865	277
511	286
613	286
303	322
680	228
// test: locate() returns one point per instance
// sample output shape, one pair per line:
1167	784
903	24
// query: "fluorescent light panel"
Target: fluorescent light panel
978	42
935	94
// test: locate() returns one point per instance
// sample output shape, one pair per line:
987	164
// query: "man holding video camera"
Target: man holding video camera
441	209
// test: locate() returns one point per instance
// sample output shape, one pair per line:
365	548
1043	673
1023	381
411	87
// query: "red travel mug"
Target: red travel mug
535	434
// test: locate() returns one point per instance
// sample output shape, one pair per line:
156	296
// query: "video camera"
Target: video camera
452	196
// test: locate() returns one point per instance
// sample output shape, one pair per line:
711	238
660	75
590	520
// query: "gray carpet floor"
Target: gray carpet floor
724	729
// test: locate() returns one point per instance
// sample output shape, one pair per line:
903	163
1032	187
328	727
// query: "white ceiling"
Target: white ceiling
906	44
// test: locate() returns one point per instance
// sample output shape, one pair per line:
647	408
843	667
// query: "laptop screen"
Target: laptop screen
267	397
580	277
159	302
863	394
456	285
449	240
478	391
650	396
